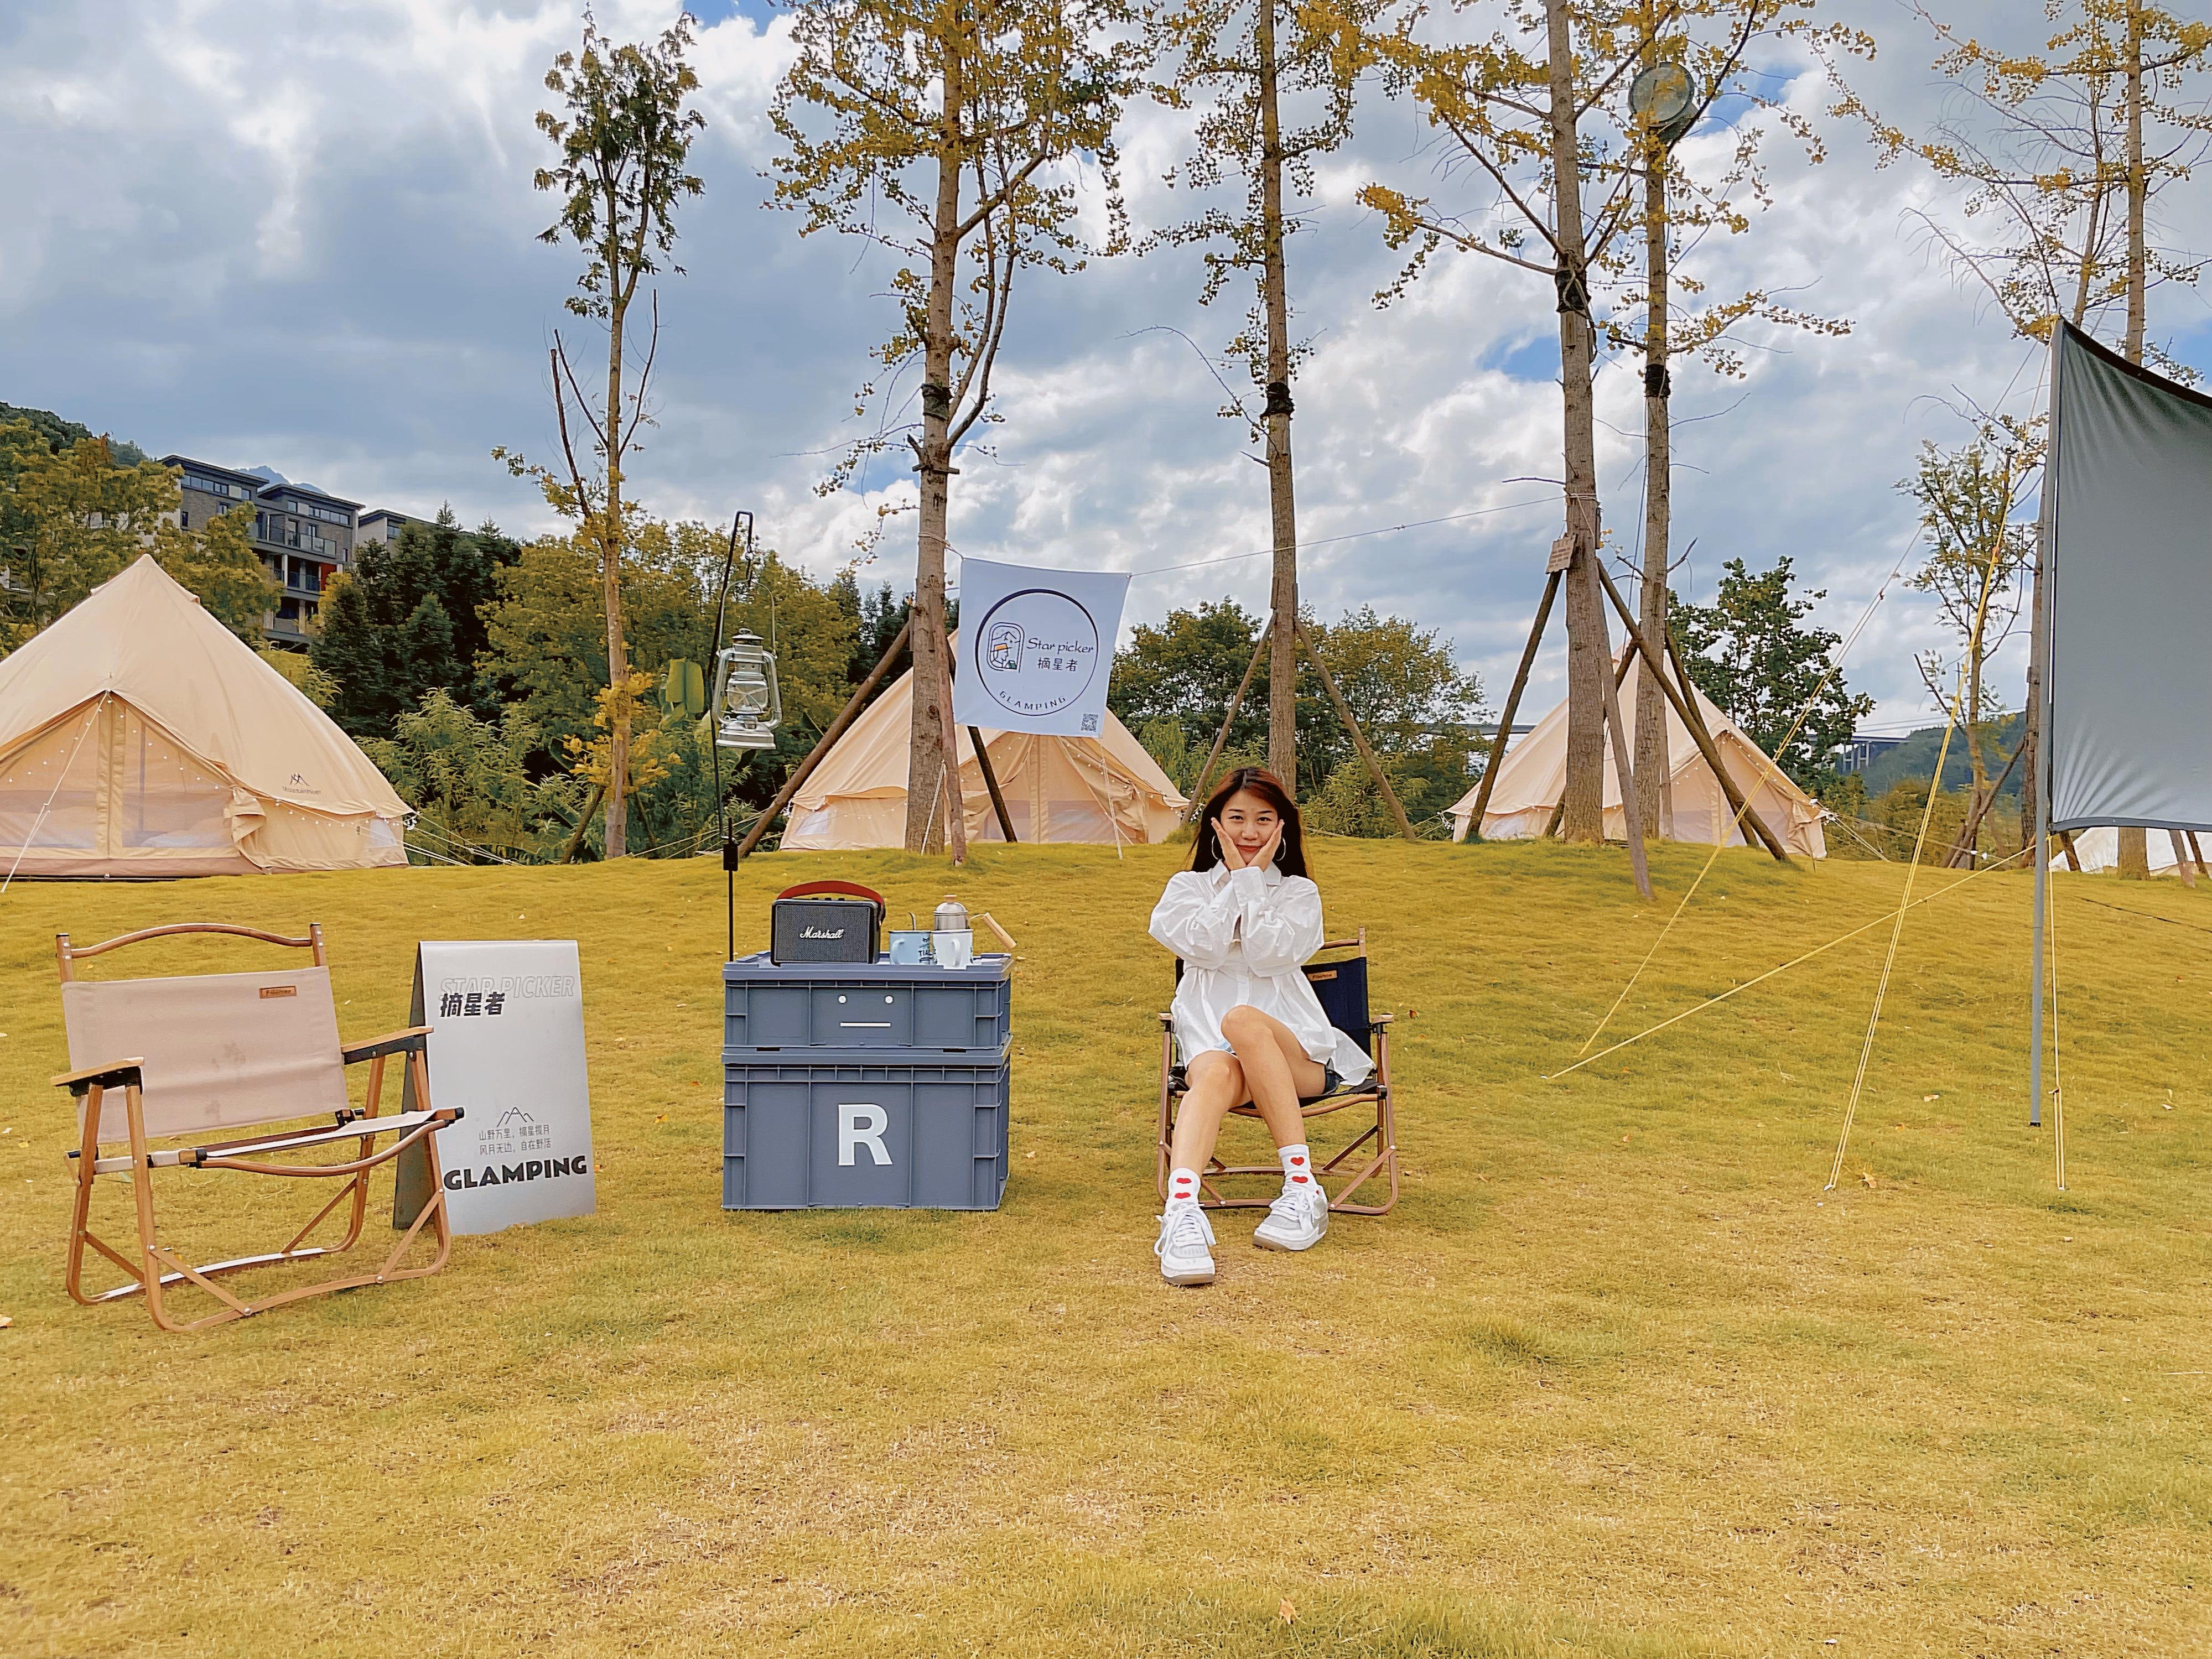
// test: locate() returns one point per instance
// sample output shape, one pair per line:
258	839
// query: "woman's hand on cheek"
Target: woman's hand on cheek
1272	846
1230	855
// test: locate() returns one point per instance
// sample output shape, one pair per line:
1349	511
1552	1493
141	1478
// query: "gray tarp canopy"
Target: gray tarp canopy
2124	599
2127	516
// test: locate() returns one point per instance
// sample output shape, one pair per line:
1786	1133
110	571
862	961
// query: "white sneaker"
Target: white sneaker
1185	1234
1295	1220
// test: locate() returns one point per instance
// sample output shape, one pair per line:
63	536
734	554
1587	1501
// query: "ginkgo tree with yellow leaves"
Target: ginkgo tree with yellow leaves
957	134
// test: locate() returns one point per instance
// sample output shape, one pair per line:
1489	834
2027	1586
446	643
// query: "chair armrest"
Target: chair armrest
106	1076
1376	1022
392	1042
1167	1021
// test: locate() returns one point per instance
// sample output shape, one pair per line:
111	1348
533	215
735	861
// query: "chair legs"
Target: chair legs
157	1269
1371	1155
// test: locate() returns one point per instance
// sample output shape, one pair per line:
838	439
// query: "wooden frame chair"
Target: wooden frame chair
1342	984
189	1053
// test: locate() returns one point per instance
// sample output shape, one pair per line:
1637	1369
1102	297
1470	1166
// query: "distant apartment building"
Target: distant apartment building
381	524
304	536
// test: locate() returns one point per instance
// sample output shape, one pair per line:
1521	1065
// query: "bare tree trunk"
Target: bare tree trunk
1655	800
929	743
2134	844
1583	803
611	541
1282	503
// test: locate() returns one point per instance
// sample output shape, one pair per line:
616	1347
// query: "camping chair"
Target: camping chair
1341	986
175	1057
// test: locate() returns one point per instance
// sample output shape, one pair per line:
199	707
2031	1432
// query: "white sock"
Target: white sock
1297	1166
1182	1186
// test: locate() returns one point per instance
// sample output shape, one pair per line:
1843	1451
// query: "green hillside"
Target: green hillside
1618	1377
1914	759
60	434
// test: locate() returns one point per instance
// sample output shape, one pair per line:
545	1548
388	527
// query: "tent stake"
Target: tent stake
1358	737
845	718
1513	703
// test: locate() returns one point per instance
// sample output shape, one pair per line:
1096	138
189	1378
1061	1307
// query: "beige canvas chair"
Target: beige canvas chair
176	1058
1340	984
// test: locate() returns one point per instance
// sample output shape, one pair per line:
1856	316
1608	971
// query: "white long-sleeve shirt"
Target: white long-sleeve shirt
1242	936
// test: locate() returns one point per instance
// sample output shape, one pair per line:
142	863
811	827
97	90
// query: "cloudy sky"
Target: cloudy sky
303	235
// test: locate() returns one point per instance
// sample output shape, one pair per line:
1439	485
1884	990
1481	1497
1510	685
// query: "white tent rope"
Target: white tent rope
22	851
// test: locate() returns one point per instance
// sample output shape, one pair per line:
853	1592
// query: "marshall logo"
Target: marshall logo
812	931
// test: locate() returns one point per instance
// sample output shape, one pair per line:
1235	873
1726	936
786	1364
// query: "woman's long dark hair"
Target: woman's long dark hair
1289	857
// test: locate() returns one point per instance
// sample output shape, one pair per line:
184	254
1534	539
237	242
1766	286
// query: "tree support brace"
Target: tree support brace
845	718
1692	718
1358	737
1513	702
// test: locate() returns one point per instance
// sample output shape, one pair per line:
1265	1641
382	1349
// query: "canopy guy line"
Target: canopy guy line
1912	873
1821	950
1889	959
90	721
1804	713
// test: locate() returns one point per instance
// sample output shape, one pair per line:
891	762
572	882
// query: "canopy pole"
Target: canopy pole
805	768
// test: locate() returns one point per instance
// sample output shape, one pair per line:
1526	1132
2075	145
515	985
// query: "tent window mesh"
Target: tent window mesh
49	797
167	798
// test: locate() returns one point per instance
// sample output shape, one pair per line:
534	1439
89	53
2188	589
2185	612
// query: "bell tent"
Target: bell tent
1104	789
140	737
1533	775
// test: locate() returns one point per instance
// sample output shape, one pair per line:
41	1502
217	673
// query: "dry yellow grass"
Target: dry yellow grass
1617	1378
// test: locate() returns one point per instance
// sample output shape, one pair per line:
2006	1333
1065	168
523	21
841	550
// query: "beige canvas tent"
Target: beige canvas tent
1534	772
140	737
1104	789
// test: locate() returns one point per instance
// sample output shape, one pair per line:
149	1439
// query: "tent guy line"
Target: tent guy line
1804	711
1819	950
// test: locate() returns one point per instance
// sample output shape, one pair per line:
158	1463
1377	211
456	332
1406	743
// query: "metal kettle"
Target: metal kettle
952	917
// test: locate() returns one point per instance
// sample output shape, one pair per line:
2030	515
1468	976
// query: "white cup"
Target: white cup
954	948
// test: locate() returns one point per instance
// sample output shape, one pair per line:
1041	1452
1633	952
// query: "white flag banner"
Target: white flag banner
1037	648
506	1046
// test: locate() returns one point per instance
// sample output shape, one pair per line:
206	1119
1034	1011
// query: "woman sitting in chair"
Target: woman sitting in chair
1243	919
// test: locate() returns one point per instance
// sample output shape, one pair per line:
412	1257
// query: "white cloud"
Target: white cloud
305	236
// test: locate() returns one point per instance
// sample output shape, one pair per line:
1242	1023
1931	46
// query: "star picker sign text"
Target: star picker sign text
1037	648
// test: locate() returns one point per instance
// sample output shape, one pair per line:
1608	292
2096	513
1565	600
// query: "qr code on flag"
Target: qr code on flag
1091	722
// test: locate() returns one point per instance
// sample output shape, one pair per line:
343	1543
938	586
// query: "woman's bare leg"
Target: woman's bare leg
1216	1084
1276	1070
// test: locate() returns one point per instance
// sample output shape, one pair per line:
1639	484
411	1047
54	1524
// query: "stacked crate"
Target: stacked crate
876	1085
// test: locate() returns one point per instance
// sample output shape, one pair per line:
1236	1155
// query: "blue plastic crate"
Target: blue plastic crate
853	1130
928	1009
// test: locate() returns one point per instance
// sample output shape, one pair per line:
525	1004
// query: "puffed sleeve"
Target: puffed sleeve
1196	919
1281	924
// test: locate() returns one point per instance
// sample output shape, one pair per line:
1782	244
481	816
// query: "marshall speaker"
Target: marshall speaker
825	922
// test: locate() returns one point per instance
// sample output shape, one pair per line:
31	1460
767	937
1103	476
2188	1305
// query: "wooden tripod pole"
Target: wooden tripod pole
1631	813
845	718
1221	737
956	798
1513	703
1613	693
1692	718
1358	737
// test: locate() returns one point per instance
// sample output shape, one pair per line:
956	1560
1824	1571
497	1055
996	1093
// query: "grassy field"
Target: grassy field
1617	1378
